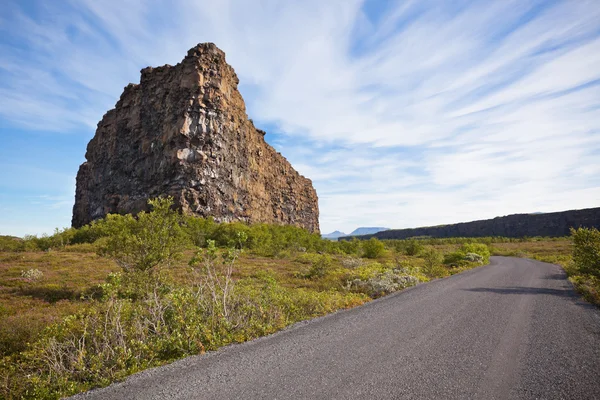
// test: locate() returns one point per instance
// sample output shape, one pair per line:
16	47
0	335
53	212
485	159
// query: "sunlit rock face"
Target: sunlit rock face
184	132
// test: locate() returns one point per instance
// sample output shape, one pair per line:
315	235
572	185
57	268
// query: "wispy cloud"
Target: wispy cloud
403	113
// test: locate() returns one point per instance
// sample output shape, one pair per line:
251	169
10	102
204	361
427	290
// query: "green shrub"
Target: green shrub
152	239
11	243
226	234
383	283
478	253
478	248
474	257
433	262
89	233
198	229
455	259
352	262
413	247
373	248
586	250
320	267
120	335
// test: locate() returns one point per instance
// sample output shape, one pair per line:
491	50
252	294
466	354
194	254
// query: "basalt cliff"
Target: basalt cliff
183	131
553	224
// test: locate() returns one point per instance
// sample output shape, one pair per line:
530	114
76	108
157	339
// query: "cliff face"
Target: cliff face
516	225
183	131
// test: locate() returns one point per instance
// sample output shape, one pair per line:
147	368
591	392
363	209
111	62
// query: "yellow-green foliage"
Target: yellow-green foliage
375	279
586	251
373	248
584	271
143	243
477	248
367	271
351	247
413	247
199	230
10	243
121	320
468	253
125	333
320	266
433	262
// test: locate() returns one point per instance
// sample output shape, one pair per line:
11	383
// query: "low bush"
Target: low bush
11	243
199	230
586	251
383	283
433	259
350	247
480	249
455	259
151	240
413	247
352	262
320	267
123	334
468	253
372	248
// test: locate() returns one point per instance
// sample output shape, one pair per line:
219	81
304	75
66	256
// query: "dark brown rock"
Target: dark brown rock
184	132
515	226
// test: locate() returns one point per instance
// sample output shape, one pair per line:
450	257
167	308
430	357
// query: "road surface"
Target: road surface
514	329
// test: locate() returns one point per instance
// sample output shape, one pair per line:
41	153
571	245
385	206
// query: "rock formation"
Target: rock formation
516	226
183	131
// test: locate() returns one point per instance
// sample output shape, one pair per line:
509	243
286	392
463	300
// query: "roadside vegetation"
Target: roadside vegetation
85	307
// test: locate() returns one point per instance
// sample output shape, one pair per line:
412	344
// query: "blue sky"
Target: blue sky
403	113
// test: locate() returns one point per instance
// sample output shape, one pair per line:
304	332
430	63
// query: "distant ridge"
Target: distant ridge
367	231
358	231
553	224
333	235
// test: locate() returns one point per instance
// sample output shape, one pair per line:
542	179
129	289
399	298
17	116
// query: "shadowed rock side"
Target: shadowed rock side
517	225
183	131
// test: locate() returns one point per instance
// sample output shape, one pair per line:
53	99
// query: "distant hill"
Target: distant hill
367	231
357	232
517	225
333	235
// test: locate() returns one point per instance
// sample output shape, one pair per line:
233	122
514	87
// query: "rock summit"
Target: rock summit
183	131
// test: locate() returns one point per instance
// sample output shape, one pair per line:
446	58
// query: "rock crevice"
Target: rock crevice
183	131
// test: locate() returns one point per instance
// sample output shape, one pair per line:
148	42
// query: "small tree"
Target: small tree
373	248
586	250
151	240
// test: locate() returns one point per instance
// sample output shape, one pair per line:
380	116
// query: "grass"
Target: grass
70	277
27	308
281	290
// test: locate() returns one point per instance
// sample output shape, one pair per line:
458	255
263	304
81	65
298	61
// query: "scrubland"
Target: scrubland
85	307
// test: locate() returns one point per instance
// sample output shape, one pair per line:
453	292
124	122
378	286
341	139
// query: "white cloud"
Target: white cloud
442	114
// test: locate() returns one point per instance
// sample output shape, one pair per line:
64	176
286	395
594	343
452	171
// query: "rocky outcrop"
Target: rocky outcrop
516	226
183	131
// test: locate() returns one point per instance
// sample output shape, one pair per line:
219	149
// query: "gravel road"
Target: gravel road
514	329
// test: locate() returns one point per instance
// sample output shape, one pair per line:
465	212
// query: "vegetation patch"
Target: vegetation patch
85	307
